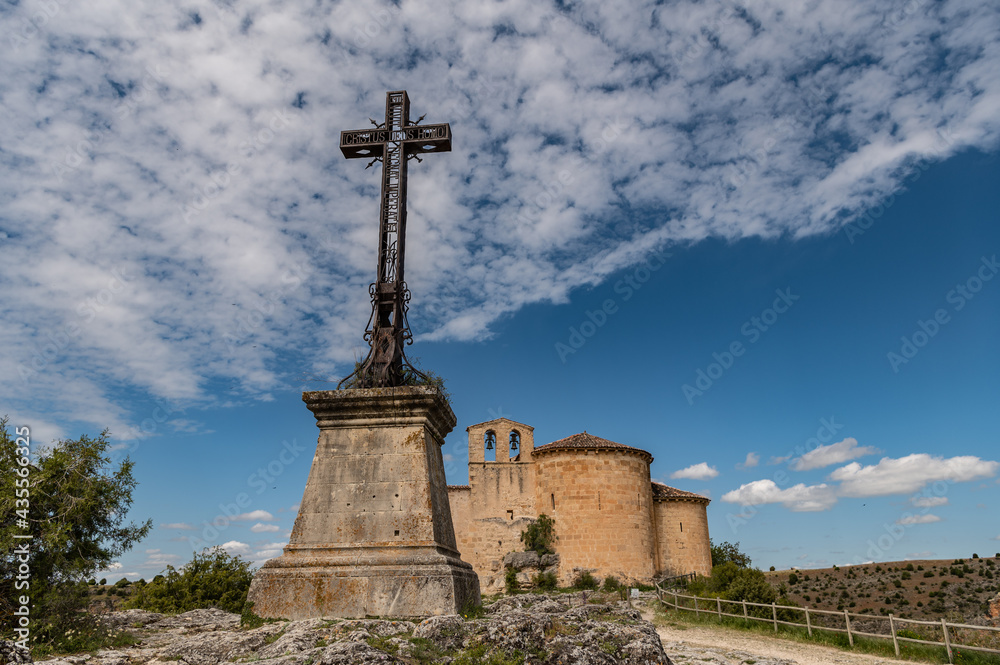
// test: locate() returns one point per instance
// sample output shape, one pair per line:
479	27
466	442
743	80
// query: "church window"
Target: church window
553	501
682	527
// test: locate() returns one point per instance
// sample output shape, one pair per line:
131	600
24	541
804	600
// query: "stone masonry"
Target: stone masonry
610	518
374	533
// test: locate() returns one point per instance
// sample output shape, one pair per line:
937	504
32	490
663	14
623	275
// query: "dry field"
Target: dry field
958	589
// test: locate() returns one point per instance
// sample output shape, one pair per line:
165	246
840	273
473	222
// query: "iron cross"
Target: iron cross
393	142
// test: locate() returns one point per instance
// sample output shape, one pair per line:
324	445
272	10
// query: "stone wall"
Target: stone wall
602	505
682	537
499	503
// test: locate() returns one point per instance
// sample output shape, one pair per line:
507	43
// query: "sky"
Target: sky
758	240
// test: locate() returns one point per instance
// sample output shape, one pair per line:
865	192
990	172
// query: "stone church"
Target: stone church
610	518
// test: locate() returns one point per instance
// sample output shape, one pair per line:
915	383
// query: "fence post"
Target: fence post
696	605
847	620
744	609
677	602
718	607
774	613
892	629
809	626
947	640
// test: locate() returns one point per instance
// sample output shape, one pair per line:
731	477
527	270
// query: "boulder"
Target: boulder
521	560
545	626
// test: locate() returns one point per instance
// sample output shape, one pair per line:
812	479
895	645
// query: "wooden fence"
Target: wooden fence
950	632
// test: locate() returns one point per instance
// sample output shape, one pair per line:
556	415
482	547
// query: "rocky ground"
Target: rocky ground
528	629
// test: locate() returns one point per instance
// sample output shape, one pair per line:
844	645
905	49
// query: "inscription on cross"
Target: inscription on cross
393	142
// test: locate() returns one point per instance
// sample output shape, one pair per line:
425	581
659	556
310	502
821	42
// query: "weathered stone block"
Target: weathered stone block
521	560
374	534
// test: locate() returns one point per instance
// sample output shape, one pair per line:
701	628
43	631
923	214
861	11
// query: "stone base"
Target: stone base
374	534
408	587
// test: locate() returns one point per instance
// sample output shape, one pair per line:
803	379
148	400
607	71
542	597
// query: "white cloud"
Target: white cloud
798	498
929	501
567	121
269	551
835	453
264	528
158	559
700	471
235	547
752	460
918	519
907	475
253	515
177	525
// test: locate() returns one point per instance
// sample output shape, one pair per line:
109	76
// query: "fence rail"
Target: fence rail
949	631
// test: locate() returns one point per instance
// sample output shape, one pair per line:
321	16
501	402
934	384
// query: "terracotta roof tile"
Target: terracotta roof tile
585	441
663	492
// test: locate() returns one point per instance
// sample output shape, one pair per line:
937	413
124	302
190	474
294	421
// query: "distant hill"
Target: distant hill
931	589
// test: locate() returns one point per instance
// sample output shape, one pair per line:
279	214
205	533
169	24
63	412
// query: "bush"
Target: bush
539	535
213	578
772	569
510	581
546	581
611	583
586	581
793	579
123	582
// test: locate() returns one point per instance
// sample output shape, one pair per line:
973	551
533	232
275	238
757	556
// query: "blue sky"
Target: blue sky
756	240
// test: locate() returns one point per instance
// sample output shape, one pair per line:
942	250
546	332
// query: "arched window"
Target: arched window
490	446
515	443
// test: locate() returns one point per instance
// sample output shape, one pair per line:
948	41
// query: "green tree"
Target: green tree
213	578
78	504
539	535
728	552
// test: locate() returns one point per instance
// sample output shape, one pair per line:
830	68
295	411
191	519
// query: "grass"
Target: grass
877	647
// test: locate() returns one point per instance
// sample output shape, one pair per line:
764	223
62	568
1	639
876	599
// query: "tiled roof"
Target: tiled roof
585	441
663	492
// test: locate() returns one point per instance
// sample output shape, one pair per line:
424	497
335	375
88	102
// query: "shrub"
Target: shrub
510	581
793	579
547	581
123	582
772	569
539	535
213	578
586	581
611	583
975	556
909	567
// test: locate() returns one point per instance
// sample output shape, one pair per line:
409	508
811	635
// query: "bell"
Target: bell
490	438
513	441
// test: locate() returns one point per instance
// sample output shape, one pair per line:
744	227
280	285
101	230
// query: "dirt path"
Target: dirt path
726	646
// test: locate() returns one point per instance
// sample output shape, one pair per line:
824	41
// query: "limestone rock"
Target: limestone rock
132	618
521	560
545	628
547	560
11	653
448	632
995	607
197	621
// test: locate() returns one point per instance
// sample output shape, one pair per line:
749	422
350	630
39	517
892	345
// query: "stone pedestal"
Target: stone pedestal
374	535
